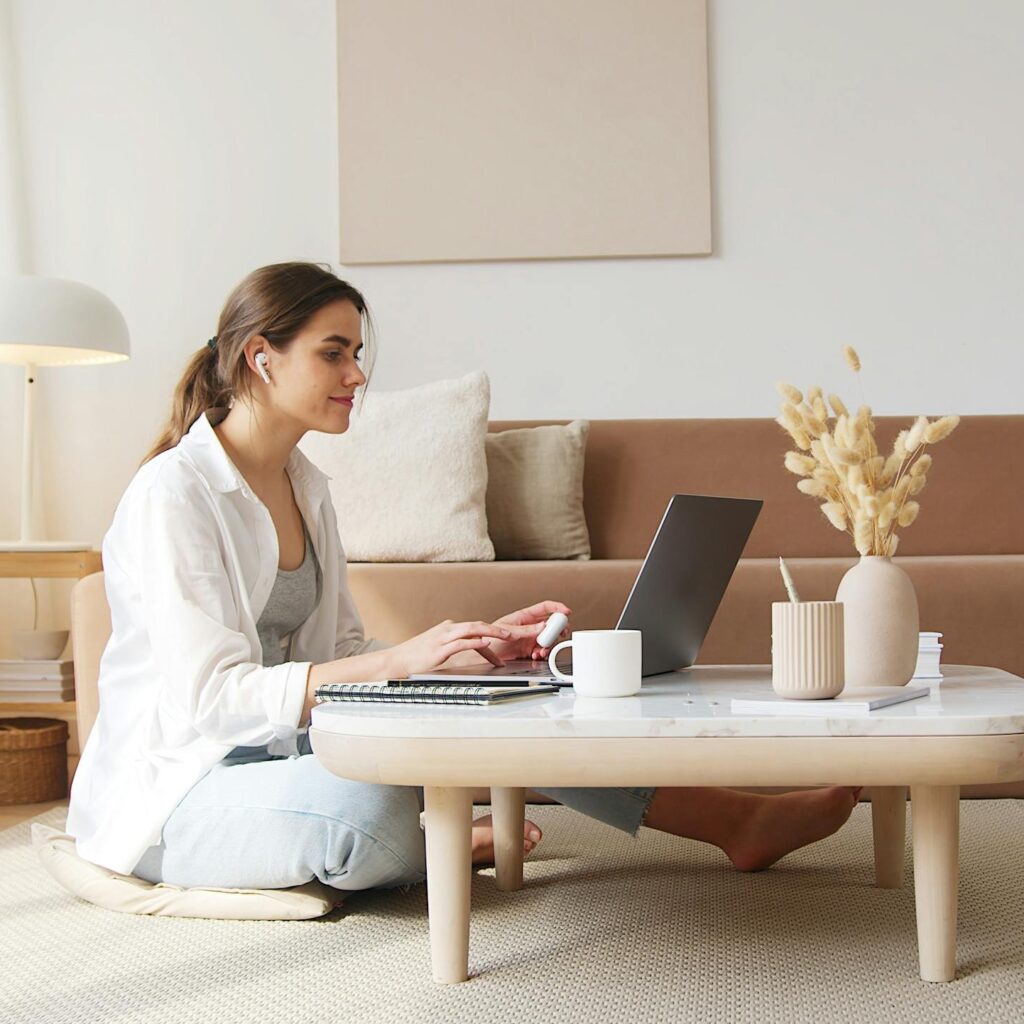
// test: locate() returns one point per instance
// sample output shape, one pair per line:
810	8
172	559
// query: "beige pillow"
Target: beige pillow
535	492
409	477
130	895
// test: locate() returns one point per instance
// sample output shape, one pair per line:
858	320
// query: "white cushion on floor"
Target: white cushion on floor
130	895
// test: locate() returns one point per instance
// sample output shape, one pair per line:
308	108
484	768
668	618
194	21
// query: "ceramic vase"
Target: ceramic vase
880	622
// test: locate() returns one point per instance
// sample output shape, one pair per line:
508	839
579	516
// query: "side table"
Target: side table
50	565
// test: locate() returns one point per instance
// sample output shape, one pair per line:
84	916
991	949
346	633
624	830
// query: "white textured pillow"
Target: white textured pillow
130	895
409	477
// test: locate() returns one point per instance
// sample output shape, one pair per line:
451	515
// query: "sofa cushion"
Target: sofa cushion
130	895
397	601
409	477
535	492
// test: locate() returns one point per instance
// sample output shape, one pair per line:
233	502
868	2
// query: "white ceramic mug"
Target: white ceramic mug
605	662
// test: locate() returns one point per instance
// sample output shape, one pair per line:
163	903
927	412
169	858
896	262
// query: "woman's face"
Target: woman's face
313	382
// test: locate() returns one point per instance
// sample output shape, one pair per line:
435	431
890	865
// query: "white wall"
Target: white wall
867	189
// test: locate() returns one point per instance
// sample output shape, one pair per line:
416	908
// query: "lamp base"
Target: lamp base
44	545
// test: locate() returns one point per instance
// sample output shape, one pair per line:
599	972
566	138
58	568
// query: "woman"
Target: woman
229	606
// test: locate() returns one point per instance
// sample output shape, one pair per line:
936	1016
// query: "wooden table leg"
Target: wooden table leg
508	807
889	828
449	822
936	825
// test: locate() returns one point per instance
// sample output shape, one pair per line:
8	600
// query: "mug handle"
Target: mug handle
551	661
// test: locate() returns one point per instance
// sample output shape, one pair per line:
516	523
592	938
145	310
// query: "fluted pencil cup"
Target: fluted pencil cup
807	649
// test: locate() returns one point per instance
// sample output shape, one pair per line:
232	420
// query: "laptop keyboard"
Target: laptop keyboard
525	667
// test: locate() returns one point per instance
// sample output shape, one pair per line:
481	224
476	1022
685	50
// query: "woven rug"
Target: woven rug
606	929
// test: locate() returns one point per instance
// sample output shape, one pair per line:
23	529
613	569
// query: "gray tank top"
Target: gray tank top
296	592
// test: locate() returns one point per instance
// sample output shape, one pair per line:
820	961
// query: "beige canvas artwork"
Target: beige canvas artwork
480	130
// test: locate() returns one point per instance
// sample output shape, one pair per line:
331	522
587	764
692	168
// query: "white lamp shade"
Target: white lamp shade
47	321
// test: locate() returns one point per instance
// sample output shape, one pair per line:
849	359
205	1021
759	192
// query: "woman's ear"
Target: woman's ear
257	343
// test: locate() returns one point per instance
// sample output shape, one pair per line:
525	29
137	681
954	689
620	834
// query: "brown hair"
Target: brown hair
275	301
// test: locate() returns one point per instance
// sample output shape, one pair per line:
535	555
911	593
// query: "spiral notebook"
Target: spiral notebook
400	692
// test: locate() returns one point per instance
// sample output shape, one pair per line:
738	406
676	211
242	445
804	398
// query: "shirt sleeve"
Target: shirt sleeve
190	606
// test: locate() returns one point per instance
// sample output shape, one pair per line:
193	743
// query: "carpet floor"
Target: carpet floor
606	929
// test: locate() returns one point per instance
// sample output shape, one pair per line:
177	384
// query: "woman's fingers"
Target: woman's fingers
486	651
473	636
469	629
525	632
455	637
541	611
480	645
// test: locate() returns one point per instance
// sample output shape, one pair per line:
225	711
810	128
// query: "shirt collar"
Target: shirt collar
203	448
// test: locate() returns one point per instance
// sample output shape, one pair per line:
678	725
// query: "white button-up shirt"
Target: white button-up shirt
189	561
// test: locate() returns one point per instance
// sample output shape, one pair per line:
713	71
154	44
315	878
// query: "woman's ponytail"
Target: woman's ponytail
199	389
275	302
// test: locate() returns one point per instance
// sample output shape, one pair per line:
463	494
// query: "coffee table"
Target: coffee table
679	731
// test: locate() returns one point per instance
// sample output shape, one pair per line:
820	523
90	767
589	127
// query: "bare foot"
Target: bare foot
483	839
781	824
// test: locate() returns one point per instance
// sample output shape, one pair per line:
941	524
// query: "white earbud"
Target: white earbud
261	366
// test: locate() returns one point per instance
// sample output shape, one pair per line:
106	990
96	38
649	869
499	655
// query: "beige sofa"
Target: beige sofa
965	554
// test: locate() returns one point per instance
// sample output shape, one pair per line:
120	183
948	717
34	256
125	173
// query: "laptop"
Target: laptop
674	597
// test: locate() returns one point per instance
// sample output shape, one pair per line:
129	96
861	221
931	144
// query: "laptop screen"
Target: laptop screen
684	576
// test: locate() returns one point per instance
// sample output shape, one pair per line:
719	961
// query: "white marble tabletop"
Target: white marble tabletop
968	701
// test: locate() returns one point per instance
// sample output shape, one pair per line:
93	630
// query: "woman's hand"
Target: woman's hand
430	650
524	625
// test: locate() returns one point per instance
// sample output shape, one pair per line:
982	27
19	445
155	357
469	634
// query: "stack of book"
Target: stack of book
928	654
36	682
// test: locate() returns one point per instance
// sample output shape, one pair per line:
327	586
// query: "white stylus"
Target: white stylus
552	630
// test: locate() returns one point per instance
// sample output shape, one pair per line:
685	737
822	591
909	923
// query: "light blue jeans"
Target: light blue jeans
259	821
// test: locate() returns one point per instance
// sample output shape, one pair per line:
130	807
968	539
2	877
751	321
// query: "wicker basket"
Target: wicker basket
33	760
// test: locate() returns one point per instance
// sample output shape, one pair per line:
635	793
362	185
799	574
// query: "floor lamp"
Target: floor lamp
46	321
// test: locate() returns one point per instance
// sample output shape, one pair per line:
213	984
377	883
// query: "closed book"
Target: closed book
856	703
393	693
37	684
7	697
17	668
929	655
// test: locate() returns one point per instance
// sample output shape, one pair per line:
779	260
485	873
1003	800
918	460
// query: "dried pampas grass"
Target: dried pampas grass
790	393
837	406
802	465
863	492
